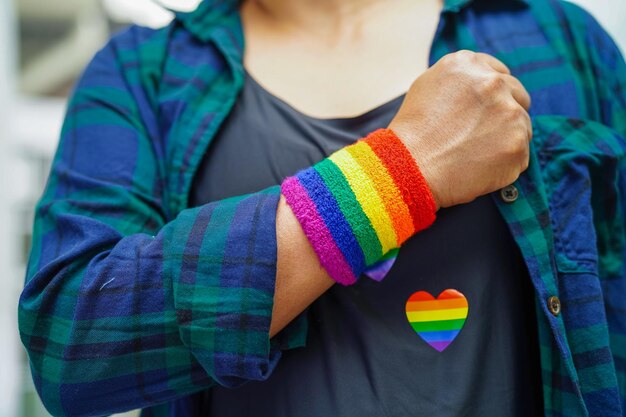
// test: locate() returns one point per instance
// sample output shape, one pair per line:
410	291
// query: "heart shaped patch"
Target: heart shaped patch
437	321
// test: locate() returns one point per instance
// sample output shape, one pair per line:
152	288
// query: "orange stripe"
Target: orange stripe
406	175
436	304
386	188
437	315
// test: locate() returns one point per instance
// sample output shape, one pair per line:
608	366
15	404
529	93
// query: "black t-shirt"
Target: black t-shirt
363	357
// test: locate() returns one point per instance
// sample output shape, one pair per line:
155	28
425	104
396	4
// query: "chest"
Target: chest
342	68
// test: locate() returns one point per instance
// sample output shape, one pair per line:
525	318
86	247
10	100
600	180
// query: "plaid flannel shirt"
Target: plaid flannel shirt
134	300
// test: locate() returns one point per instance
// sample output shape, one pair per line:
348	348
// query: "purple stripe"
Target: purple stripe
334	219
379	270
440	346
316	231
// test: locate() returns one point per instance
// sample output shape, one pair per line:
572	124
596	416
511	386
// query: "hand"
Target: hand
465	122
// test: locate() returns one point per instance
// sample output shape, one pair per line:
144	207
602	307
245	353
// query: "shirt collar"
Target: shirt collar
456	5
209	15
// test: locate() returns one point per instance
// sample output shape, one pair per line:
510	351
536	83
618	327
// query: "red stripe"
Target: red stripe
440	304
421	296
449	293
406	175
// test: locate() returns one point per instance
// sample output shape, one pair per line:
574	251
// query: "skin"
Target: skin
318	55
464	119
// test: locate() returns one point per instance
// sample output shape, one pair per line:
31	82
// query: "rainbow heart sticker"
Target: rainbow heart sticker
437	321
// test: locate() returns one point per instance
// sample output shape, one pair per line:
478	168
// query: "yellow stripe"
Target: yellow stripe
433	315
368	198
394	202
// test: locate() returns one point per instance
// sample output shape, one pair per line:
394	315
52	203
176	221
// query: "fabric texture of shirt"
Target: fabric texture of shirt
360	343
134	300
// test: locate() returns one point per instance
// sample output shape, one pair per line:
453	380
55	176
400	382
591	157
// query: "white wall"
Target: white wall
10	283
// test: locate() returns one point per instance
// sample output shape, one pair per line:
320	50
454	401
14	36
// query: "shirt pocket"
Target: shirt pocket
580	167
571	168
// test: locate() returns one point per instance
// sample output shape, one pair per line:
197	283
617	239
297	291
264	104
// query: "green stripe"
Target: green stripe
438	325
351	210
391	253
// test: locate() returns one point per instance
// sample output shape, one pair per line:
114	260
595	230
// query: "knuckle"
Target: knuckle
491	83
511	111
516	112
448	59
515	147
458	58
522	142
528	98
511	176
465	54
524	158
514	177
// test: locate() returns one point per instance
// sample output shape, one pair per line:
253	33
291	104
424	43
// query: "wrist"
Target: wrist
426	166
359	203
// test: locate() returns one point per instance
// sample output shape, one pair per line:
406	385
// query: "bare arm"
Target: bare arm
300	279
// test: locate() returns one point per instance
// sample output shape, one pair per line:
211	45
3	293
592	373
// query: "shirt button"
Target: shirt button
554	305
509	193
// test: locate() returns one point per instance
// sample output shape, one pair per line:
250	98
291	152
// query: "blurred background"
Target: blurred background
44	45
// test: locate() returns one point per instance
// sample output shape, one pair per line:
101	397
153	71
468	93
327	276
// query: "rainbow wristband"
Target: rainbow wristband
360	204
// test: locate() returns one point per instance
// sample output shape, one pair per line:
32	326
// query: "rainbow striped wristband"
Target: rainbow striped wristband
360	203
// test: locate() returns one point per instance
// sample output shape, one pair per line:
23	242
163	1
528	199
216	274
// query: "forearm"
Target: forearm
337	219
199	292
300	279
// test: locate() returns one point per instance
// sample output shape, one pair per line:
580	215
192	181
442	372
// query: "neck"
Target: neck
316	15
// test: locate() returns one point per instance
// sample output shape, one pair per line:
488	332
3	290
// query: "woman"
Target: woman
155	281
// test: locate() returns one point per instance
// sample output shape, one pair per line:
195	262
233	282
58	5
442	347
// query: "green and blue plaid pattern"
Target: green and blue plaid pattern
134	300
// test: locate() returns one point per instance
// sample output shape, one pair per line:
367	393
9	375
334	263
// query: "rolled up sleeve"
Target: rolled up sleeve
125	306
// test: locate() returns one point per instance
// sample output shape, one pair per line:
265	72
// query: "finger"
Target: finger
518	91
493	62
529	126
526	159
524	122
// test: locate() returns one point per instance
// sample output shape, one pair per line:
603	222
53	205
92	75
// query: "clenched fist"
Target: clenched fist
466	123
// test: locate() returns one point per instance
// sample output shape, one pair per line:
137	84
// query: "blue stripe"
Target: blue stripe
440	336
330	212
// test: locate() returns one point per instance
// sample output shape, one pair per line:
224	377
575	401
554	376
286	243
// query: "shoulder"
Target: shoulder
576	35
562	11
127	55
576	25
144	57
184	42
